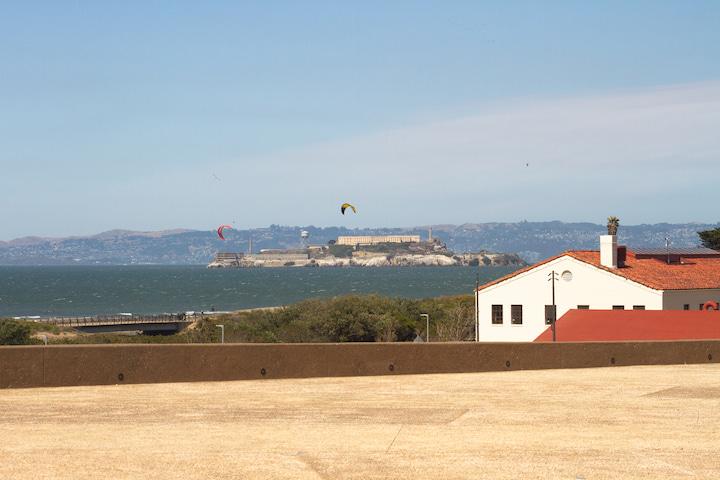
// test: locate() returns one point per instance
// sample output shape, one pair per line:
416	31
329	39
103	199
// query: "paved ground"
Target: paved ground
631	422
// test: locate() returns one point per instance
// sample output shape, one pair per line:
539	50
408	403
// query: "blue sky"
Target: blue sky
123	115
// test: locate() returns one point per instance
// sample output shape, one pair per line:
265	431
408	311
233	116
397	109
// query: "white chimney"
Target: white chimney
608	251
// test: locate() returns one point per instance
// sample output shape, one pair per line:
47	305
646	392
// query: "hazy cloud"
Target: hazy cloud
648	155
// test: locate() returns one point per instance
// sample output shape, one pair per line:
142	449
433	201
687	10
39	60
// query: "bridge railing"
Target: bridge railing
117	320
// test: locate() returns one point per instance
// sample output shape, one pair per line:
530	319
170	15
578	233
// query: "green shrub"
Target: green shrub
349	318
340	251
204	331
710	238
42	327
13	332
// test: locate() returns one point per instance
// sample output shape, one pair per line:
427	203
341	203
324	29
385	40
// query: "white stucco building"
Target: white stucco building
518	307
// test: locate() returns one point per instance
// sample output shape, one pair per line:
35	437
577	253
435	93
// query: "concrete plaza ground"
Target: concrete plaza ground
605	423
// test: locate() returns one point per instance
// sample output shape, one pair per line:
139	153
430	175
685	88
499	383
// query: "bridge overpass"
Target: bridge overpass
148	324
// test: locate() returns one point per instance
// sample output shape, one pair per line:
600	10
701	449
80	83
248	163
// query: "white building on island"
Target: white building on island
354	240
519	306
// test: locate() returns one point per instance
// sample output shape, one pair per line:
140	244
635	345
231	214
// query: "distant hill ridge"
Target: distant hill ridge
531	240
102	235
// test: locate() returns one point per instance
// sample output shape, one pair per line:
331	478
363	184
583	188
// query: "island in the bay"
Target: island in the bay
365	251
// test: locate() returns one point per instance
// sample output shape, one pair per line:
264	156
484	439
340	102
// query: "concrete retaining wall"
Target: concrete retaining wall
64	365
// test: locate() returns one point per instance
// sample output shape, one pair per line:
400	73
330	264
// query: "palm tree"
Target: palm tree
612	225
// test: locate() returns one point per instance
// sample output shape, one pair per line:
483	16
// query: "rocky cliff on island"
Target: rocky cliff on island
425	254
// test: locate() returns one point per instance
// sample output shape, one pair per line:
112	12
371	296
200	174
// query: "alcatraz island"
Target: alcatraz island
365	251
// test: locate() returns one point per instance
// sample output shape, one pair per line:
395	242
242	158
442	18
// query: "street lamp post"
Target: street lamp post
222	333
427	326
477	306
553	277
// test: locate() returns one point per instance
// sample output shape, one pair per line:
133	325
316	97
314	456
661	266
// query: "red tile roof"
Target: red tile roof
691	274
631	325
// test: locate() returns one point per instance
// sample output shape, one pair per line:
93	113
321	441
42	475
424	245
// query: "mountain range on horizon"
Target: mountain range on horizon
115	233
531	240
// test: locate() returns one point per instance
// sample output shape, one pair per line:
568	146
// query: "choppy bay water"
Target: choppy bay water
79	290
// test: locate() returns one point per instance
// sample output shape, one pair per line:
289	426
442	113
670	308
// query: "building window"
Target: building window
638	307
583	307
550	312
497	312
701	306
686	306
618	307
516	314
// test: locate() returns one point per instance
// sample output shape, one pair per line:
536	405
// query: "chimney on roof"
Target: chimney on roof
608	251
621	255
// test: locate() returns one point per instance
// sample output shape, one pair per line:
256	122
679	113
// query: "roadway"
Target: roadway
605	423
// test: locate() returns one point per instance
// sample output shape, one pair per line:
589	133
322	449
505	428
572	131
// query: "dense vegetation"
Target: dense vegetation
18	332
366	318
340	251
710	238
369	318
13	332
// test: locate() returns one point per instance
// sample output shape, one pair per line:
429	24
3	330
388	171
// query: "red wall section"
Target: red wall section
64	365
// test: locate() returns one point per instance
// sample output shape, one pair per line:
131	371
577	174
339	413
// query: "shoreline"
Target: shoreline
36	293
365	260
191	313
201	314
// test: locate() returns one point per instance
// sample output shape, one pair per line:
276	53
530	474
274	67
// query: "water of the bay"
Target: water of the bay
76	290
